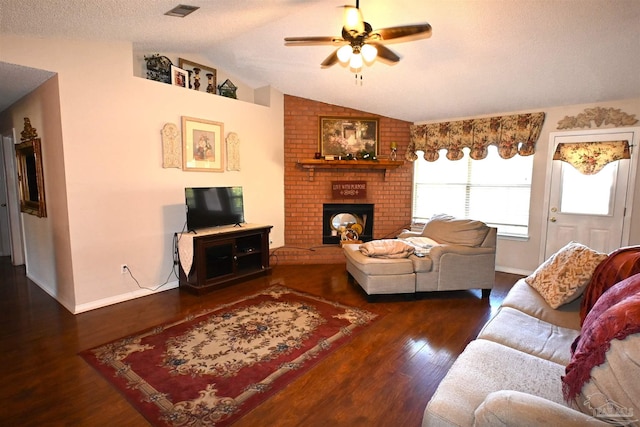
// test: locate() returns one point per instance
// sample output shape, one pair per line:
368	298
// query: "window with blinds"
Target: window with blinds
493	190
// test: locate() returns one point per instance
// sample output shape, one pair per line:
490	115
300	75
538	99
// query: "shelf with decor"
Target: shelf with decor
366	165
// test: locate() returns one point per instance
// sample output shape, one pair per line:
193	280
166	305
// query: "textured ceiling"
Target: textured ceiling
484	57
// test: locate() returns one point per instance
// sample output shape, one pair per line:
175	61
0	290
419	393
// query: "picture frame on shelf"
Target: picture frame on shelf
179	77
202	145
343	136
202	78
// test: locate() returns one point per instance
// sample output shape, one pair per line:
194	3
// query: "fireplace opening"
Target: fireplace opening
337	217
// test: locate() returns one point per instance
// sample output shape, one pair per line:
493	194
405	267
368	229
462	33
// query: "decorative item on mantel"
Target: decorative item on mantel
171	146
394	148
228	89
158	68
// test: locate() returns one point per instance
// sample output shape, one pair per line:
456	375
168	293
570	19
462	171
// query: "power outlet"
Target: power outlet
123	268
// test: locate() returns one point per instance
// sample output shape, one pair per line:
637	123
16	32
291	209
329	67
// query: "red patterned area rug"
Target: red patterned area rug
212	368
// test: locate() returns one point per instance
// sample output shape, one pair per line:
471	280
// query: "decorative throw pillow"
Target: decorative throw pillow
563	277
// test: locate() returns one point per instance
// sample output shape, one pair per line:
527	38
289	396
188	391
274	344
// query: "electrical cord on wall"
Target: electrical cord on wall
175	263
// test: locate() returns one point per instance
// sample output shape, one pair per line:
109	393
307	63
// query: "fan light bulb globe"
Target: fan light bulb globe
356	61
369	53
353	19
344	53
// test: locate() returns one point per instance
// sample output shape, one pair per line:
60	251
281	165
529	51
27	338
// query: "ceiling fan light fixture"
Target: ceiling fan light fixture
344	53
369	53
356	61
353	19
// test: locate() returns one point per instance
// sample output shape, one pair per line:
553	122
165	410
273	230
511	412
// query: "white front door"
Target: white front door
590	209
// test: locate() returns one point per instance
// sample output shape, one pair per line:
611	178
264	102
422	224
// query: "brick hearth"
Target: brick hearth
304	198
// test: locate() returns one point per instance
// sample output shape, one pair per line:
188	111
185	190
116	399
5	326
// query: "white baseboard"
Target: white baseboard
513	270
121	298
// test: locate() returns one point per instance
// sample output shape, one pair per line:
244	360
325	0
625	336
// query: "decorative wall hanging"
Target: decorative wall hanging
590	157
30	172
171	148
233	152
349	136
349	189
198	75
202	148
514	134
599	116
158	68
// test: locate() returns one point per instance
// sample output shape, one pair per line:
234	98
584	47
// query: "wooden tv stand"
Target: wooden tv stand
222	256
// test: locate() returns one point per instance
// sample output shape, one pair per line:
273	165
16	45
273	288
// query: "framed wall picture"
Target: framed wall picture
202	78
340	136
179	77
202	145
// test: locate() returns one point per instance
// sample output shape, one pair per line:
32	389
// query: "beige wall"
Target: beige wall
123	207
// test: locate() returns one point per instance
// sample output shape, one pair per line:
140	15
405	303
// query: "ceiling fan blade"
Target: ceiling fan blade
311	41
403	32
385	54
330	60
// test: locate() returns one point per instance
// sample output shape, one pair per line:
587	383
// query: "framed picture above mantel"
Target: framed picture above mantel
341	136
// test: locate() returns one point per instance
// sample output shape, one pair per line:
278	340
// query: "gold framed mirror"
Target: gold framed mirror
30	173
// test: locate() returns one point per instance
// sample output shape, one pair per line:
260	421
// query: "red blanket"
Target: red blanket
621	264
615	315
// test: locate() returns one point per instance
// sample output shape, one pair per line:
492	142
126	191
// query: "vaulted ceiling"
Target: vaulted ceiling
484	56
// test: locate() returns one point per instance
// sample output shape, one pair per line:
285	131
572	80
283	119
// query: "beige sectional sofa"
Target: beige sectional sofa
459	254
512	374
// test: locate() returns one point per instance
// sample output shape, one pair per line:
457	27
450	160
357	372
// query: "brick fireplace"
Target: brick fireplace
389	192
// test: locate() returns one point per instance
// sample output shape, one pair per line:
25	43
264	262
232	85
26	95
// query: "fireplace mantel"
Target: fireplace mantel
364	165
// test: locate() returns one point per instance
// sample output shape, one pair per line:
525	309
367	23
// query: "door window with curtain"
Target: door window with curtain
494	190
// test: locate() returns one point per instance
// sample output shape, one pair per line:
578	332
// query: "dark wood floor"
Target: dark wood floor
383	377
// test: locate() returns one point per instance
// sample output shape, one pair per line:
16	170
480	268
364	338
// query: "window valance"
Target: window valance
514	134
590	157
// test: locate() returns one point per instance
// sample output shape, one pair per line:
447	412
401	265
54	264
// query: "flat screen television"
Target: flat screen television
213	207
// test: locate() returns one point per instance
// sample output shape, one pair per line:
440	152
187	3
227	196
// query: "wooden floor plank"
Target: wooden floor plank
384	376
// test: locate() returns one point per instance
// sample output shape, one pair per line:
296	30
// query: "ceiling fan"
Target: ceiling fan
360	44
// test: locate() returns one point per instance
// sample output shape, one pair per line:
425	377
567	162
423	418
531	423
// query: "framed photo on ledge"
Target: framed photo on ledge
179	77
340	136
202	147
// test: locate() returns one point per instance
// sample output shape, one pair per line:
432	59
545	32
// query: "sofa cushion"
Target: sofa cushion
482	368
445	229
563	277
513	408
621	264
615	316
422	264
526	333
526	299
613	390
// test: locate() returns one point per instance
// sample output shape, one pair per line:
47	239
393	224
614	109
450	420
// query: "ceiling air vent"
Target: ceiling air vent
182	10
